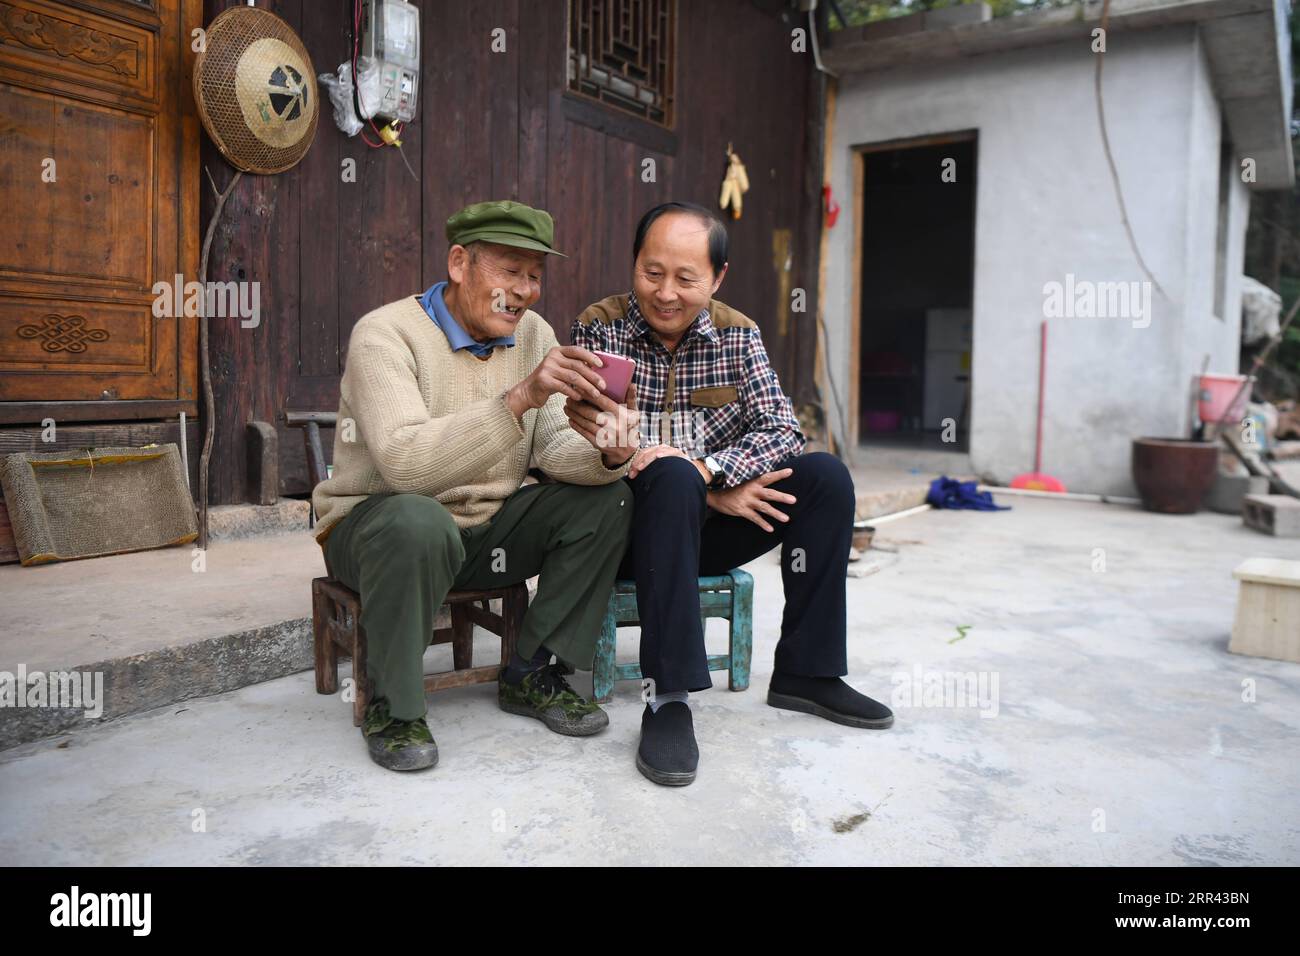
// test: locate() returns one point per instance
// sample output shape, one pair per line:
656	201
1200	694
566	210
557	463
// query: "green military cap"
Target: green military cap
503	222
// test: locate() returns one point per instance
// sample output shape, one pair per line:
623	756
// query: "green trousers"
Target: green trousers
403	553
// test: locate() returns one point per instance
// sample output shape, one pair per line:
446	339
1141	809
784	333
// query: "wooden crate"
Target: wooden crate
1268	609
8	547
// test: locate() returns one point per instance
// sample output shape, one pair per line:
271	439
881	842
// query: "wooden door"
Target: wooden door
99	145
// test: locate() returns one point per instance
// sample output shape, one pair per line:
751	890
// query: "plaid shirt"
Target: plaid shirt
716	394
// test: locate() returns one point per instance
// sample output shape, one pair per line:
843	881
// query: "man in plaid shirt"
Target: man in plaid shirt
719	479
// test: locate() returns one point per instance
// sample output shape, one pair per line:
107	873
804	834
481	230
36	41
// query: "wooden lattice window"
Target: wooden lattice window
622	53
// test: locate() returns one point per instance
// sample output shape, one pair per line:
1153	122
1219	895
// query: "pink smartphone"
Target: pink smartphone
617	373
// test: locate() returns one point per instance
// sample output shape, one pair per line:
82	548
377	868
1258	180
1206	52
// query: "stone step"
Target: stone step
158	626
875	504
232	522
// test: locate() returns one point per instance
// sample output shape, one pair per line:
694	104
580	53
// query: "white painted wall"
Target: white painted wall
1045	207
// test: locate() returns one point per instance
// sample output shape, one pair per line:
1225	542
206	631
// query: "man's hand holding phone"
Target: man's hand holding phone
611	427
567	369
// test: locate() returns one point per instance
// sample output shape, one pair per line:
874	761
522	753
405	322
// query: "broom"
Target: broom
1036	480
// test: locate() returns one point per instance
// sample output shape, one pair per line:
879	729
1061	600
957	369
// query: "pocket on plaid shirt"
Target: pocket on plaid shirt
714	397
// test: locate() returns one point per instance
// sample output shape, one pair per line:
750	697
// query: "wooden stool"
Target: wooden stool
729	595
336	608
336	623
1268	609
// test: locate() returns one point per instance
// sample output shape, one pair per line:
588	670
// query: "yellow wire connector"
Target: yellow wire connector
389	136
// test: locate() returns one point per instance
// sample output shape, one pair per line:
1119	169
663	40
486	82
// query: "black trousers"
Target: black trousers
676	538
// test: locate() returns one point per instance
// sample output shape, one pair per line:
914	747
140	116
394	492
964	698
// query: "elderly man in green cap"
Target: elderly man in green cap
455	395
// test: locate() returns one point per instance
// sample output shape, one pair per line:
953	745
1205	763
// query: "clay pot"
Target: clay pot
1173	475
862	535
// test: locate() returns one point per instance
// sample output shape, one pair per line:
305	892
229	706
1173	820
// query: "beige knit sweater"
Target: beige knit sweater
431	421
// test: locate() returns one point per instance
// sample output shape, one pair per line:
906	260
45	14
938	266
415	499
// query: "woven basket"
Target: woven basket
97	501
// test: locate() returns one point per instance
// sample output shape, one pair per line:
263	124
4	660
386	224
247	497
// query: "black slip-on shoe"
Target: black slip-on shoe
866	713
668	754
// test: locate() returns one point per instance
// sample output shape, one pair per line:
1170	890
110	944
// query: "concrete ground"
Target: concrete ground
1119	731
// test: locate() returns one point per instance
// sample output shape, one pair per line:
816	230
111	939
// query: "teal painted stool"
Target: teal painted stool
729	596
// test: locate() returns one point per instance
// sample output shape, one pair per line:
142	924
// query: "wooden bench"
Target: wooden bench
336	610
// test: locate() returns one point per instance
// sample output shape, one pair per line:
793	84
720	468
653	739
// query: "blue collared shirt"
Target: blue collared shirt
436	307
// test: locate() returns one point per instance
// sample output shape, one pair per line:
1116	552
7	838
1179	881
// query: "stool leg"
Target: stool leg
360	679
514	605
462	638
602	670
325	653
742	630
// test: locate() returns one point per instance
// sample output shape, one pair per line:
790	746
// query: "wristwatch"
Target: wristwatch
715	471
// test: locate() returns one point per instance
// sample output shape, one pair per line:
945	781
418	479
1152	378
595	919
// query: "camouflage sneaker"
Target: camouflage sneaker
545	695
398	744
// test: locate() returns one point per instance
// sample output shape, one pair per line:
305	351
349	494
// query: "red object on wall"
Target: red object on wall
831	206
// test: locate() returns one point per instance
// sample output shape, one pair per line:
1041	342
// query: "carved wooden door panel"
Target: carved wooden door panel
98	202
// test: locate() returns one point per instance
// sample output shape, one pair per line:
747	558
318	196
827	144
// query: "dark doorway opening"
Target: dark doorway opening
917	279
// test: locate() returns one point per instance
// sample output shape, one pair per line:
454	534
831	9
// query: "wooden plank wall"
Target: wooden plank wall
494	126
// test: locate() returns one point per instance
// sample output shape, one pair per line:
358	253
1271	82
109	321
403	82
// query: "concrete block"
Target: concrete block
1278	515
1229	490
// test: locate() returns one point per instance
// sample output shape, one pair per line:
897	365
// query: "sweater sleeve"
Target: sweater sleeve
414	453
560	451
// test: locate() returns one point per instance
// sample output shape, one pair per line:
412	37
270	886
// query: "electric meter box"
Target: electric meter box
390	37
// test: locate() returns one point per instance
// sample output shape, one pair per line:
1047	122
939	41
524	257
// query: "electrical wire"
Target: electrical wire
356	80
356	41
406	162
1110	157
